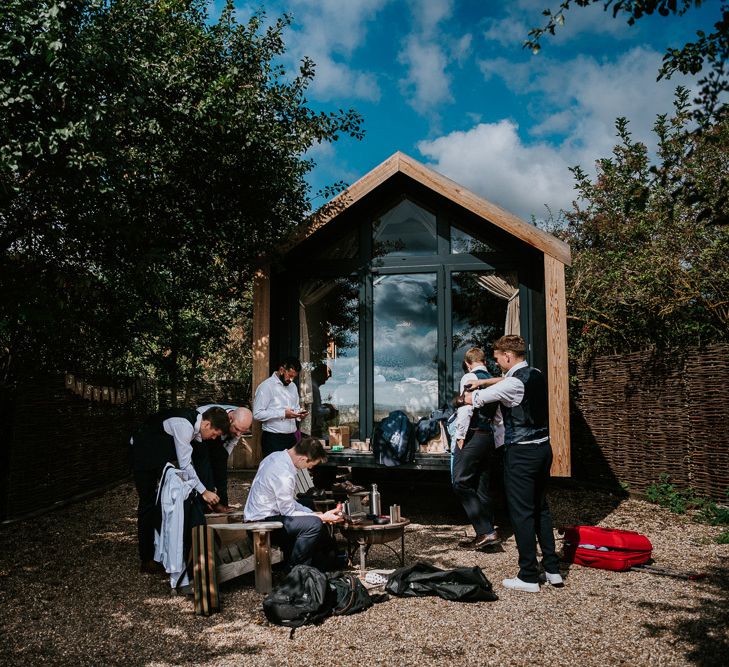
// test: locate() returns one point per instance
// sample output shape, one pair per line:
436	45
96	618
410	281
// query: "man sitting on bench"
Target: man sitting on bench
304	538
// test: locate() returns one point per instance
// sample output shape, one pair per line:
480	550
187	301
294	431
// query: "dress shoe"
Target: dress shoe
470	544
517	584
151	567
485	541
553	578
219	508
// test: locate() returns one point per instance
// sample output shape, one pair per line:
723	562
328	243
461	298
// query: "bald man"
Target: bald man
220	449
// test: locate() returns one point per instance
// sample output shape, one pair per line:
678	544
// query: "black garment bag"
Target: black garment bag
463	584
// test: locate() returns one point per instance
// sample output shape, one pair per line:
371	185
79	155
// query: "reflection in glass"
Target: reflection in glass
485	307
462	243
405	229
405	345
329	353
345	247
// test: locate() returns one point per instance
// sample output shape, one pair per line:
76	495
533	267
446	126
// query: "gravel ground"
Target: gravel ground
70	593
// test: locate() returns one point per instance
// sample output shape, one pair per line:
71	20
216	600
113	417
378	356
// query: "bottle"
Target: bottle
375	501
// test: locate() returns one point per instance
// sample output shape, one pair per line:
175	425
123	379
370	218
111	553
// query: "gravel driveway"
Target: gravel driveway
70	594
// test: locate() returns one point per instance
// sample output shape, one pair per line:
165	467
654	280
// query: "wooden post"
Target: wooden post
557	369
262	552
250	457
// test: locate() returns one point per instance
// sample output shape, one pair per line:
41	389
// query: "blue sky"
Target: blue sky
448	83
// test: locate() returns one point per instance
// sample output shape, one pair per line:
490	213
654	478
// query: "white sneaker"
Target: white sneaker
517	584
553	579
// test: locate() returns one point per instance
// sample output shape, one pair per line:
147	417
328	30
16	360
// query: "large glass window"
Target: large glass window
406	229
405	344
329	353
463	243
485	307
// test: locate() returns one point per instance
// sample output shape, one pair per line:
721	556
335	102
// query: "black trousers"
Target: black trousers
305	540
526	473
276	442
218	455
148	514
473	468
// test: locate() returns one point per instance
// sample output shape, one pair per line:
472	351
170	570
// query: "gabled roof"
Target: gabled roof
401	163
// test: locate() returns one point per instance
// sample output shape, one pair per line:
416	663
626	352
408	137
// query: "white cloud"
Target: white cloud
328	32
427	83
523	15
492	160
427	53
577	102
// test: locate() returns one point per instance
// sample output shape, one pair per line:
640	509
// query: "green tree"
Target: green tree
650	261
147	158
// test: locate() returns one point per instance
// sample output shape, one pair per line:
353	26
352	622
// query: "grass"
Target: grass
680	501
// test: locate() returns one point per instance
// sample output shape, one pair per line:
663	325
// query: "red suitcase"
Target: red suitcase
605	548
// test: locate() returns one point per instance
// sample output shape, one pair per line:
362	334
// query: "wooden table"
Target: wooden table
366	534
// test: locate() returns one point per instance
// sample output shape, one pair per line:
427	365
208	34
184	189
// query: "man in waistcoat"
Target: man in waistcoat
219	450
522	395
162	438
474	457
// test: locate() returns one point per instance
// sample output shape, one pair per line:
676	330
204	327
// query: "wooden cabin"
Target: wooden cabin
385	289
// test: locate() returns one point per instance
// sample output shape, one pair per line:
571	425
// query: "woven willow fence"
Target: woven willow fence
637	416
59	443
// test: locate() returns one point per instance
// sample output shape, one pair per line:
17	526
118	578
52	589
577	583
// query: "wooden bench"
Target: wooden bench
220	553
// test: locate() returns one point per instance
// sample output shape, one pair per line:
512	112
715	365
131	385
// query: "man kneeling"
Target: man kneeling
305	537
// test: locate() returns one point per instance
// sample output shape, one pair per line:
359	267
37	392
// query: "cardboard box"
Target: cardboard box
360	445
339	435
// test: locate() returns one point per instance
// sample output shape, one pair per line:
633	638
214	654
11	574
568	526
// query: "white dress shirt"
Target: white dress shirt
168	542
232	440
270	403
273	490
465	412
510	392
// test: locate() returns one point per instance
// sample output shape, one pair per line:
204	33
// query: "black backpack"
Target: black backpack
393	442
350	594
428	428
304	596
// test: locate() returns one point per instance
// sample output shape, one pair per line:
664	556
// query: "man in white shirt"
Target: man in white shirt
219	450
276	406
522	395
164	437
272	497
475	461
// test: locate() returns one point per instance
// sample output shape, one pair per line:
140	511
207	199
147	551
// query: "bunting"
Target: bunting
104	393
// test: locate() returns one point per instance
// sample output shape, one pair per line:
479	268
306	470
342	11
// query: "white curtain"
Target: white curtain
311	293
412	212
505	287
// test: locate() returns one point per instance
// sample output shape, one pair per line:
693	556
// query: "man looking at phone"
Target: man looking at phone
276	406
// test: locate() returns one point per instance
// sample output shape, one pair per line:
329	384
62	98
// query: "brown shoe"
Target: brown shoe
486	541
470	544
151	567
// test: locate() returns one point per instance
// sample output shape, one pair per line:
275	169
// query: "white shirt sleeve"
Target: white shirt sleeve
263	399
286	497
510	392
463	419
498	425
182	432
